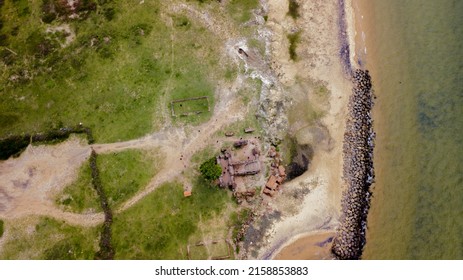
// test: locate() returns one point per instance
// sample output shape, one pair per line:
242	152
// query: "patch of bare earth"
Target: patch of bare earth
28	183
312	246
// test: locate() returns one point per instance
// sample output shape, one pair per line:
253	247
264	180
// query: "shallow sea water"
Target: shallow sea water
414	50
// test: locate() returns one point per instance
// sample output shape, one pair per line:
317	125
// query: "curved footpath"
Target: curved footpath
358	172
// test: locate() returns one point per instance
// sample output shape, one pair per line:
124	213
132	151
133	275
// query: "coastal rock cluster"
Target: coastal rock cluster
358	172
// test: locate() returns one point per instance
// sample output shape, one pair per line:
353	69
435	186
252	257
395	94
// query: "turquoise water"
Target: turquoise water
415	54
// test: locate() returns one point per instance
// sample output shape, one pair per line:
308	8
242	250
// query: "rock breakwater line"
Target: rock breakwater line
358	172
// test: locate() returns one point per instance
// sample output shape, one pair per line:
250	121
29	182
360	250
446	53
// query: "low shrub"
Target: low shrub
210	169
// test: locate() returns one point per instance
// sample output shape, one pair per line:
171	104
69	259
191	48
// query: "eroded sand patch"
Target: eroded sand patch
28	183
315	246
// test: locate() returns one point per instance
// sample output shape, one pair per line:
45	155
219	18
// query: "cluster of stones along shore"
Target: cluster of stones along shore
358	172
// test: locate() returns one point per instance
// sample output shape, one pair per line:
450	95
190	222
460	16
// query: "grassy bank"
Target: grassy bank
159	226
125	173
80	196
45	238
122	175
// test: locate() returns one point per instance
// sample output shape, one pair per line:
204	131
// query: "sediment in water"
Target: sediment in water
358	172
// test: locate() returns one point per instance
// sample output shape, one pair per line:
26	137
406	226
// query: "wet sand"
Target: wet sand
313	246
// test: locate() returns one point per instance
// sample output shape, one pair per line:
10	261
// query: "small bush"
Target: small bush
13	145
210	169
3	40
109	13
294	39
40	46
293	10
48	11
1	228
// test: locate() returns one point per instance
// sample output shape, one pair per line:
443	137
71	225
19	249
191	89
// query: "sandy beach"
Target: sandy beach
295	236
311	246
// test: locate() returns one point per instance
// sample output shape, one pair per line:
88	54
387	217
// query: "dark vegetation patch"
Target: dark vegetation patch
14	145
210	170
39	45
237	223
300	156
53	9
106	251
255	234
1	228
294	39
293	9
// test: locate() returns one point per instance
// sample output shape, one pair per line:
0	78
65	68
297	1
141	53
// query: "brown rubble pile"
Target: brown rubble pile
277	173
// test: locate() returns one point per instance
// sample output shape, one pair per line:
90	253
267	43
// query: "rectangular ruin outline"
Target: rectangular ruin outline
186	100
213	242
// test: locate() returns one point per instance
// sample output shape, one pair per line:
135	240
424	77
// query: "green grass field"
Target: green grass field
111	77
241	10
80	196
122	175
190	106
45	238
198	252
159	226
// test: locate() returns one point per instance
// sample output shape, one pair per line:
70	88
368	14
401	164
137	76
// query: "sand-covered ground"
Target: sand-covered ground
319	60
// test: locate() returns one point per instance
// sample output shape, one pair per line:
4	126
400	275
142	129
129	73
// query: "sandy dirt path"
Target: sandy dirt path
183	144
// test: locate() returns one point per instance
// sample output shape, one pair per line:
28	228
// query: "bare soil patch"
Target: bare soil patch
315	246
29	182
